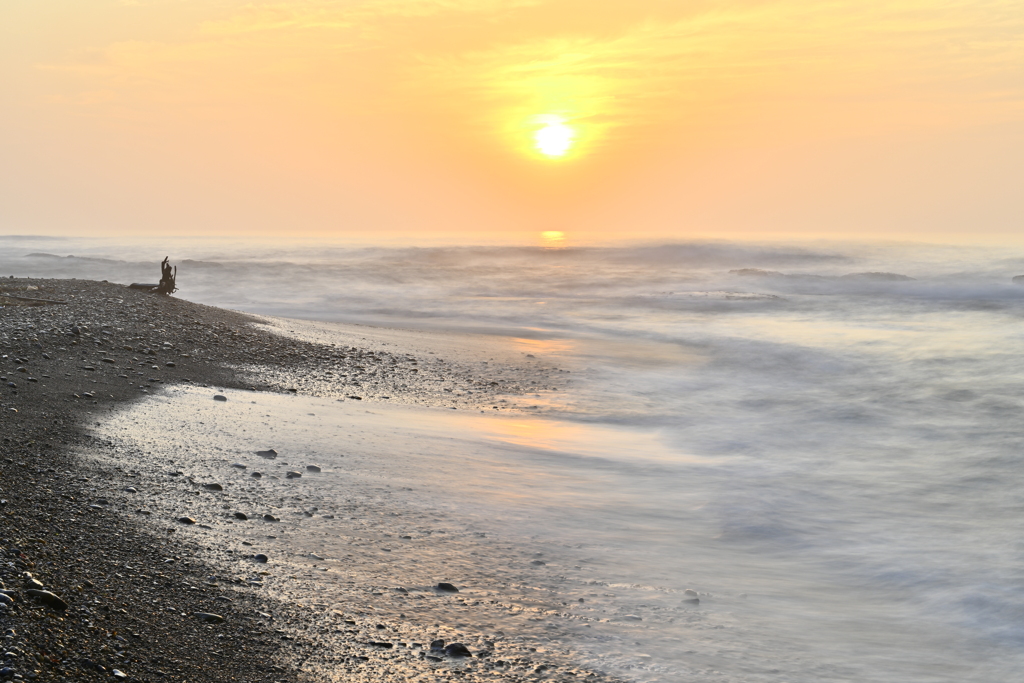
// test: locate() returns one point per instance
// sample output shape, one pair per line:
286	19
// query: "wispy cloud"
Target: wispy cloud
609	67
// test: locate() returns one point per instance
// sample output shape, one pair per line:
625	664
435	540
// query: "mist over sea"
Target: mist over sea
837	459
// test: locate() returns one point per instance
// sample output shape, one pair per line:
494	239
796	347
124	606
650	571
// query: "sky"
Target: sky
499	120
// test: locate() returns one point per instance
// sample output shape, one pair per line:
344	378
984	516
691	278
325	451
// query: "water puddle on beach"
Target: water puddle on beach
579	545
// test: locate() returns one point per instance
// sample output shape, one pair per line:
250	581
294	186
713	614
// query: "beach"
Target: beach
727	463
99	526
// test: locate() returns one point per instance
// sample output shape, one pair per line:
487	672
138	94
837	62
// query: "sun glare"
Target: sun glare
553	239
555	138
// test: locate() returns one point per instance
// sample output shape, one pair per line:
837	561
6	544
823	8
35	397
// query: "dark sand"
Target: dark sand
133	592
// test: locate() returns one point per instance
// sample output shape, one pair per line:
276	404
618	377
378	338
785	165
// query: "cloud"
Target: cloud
612	69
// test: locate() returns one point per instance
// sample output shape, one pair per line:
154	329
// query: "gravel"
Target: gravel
116	598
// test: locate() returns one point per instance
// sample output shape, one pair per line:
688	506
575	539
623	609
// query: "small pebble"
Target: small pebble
261	558
186	520
48	599
457	650
220	397
447	587
208	617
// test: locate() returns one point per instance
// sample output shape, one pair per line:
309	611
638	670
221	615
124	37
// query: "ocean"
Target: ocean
822	442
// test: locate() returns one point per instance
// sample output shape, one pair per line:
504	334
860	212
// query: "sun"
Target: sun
555	138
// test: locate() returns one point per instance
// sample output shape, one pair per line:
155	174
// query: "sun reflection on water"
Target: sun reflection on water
553	239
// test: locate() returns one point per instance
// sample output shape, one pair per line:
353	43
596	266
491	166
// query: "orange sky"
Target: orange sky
415	119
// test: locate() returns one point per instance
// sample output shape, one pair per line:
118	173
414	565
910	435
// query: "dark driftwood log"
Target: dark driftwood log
167	277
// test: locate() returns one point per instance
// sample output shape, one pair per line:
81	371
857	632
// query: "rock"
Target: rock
186	520
270	518
437	644
447	587
208	617
313	468
213	487
238	465
131	489
48	599
169	365
690	591
256	475
269	453
538	563
34	583
457	650
692	601
6	599
119	675
1018	279
631	617
220	397
106	360
241	515
293	475
261	558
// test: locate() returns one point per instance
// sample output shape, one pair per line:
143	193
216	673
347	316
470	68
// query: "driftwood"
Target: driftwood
165	286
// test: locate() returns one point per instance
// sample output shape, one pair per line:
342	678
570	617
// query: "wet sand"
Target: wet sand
96	519
398	500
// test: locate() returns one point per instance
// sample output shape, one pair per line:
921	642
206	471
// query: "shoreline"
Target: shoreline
133	593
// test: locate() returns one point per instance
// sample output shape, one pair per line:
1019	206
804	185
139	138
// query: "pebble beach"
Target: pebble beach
115	566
